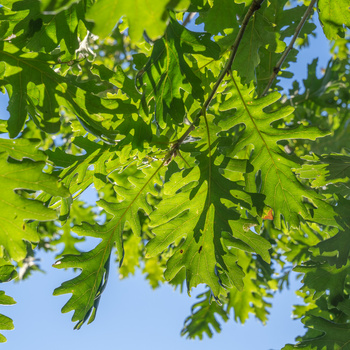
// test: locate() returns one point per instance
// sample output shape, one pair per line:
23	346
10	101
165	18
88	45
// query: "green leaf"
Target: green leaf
260	34
3	126
284	193
7	273
132	185
251	299
247	2
36	30
56	6
151	17
334	16
86	288
132	254
331	335
6	323
154	272
326	169
76	175
22	148
315	276
280	21
202	317
198	179
16	209
36	89
78	213
206	204
335	250
6	300
226	10
167	72
118	79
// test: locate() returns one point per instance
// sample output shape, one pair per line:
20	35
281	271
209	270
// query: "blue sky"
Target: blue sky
131	315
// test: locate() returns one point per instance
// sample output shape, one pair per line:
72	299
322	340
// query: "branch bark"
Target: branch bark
234	48
189	18
279	64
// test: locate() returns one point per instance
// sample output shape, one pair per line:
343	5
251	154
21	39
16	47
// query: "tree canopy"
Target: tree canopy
207	171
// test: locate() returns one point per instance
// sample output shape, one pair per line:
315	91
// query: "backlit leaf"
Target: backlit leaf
106	13
86	288
284	193
15	208
334	15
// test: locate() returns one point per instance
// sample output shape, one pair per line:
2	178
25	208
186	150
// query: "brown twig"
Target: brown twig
234	48
189	18
279	64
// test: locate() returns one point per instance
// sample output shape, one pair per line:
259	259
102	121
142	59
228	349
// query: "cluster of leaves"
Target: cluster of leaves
204	175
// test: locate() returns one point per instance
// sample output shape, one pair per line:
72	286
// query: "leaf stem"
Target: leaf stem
209	155
279	64
234	48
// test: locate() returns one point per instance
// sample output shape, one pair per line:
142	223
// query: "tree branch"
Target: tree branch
234	48
279	64
189	18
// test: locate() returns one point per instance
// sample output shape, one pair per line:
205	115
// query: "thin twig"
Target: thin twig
234	48
189	18
279	64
